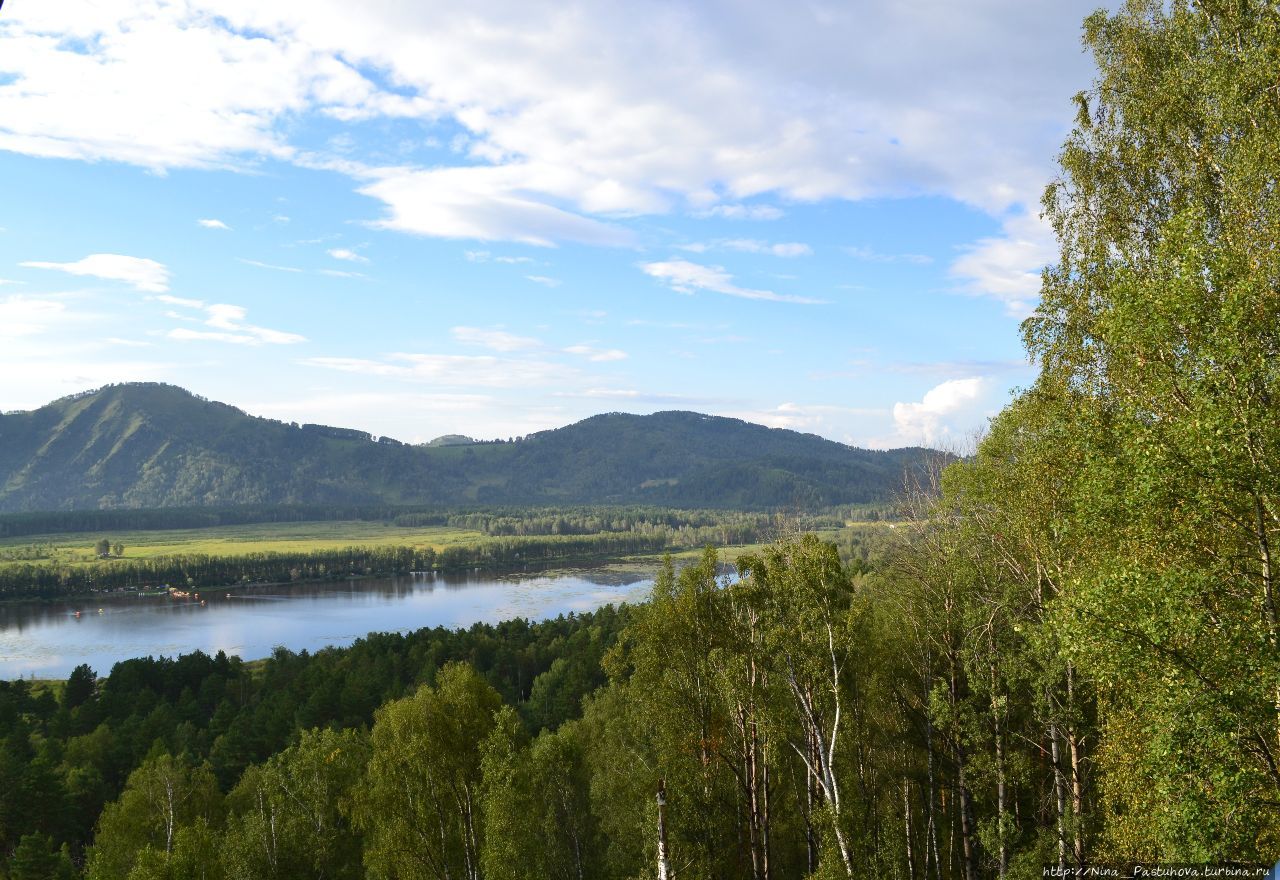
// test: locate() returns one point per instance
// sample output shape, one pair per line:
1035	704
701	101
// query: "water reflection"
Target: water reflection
49	640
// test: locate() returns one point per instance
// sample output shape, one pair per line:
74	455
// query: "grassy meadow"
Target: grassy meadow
235	540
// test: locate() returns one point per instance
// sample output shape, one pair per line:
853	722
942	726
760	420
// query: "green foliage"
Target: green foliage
36	858
80	687
163	796
288	816
419	805
1162	318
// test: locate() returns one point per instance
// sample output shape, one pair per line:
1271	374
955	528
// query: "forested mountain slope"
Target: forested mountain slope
153	445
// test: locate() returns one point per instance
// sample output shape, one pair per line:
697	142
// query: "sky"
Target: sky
496	218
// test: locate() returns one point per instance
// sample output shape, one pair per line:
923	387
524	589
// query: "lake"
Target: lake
49	640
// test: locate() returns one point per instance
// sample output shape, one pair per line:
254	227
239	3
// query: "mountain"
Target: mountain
153	445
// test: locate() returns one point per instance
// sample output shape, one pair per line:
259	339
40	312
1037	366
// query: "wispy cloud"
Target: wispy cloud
348	255
261	265
544	280
743	212
143	274
871	255
597	354
780	249
685	277
487	257
229	326
751	246
210	223
495	340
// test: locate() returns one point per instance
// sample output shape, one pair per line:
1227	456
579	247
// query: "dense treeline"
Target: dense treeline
734	527
42	579
197	727
497	521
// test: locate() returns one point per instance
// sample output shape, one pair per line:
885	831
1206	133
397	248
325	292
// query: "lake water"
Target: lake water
49	640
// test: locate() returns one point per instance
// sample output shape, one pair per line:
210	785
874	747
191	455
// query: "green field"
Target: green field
233	541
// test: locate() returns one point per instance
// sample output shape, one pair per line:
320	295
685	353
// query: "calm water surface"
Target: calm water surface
48	641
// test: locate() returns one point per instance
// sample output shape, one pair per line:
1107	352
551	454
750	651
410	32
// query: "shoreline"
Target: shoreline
600	561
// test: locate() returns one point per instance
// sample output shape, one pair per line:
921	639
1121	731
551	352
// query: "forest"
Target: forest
1068	657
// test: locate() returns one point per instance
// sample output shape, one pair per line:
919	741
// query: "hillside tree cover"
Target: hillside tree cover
149	445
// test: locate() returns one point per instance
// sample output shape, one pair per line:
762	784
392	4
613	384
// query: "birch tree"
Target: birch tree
419	804
1163	313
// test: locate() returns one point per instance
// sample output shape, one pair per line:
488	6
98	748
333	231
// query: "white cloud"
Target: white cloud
1007	267
597	354
143	274
685	277
347	254
752	246
544	280
496	340
571	117
782	249
338	273
871	255
490	203
474	256
164	85
743	212
271	266
230	327
210	223
944	414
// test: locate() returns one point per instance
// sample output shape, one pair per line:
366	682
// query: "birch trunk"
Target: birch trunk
664	859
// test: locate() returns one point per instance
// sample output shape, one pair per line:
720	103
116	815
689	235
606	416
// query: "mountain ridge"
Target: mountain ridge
136	445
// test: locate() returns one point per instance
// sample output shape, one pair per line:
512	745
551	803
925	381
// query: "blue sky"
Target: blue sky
418	221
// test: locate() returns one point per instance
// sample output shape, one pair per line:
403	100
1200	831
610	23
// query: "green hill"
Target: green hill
153	445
